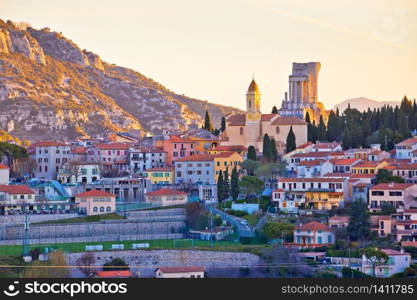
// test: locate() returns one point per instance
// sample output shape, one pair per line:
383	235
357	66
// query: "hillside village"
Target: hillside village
335	211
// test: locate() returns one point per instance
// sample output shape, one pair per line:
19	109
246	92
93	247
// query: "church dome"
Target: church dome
253	87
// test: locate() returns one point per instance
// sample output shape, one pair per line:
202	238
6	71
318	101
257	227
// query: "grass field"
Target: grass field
85	219
154	244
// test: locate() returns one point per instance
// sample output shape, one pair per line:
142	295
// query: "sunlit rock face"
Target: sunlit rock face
50	87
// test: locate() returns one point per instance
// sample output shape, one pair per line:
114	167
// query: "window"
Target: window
277	130
108	208
95	209
395	194
241	130
377	193
102	209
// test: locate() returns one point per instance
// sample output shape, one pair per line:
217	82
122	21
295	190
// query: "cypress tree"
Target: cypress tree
291	144
274	151
220	187
266	152
321	130
207	122
226	184
333	128
223	124
234	184
251	153
274	110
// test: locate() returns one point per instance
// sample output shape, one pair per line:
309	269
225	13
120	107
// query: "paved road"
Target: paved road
244	230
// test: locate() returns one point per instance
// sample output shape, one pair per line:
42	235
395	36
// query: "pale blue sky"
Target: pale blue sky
209	49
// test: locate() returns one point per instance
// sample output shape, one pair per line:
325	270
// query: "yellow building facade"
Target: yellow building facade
323	199
227	160
160	175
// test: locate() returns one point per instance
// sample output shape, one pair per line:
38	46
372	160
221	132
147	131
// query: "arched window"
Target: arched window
241	130
277	129
95	209
108	208
102	209
250	104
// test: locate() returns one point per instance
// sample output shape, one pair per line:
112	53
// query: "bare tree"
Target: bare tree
85	264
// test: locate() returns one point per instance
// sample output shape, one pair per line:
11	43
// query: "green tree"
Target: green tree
291	144
375	257
117	264
273	230
266	148
321	130
220	187
269	171
250	185
223	124
251	153
359	221
234	184
250	166
207	122
226	184
385	176
274	110
274	151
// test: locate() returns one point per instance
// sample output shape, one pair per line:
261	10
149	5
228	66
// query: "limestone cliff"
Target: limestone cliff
50	87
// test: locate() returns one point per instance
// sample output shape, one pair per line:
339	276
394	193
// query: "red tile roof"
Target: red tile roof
392	186
113	146
313	226
48	144
392	252
408	142
197	157
95	193
160	169
279	190
288	121
16	189
236	120
268	117
183	269
344	162
311	154
78	150
177	139
314	179
114	274
224	154
314	162
4	166
305	145
163	192
235	148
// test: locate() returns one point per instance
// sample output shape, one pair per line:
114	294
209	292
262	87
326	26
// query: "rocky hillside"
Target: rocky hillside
49	87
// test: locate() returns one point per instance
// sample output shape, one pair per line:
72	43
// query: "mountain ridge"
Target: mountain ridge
49	86
363	103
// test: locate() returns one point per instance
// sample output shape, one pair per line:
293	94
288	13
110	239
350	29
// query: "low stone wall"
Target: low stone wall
20	219
143	263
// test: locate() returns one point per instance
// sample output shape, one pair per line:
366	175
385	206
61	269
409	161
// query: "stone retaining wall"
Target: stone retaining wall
143	263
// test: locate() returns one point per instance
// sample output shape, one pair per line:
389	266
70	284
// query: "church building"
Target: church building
249	128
